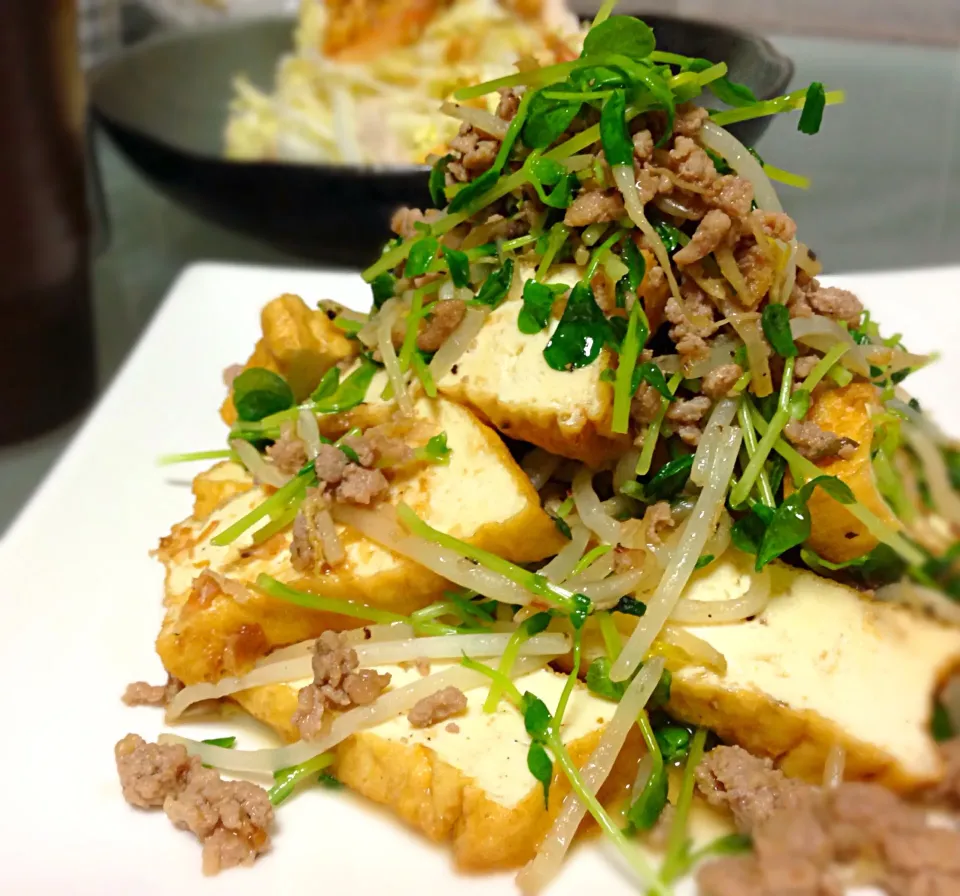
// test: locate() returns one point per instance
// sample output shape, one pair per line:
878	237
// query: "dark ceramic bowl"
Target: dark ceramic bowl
164	103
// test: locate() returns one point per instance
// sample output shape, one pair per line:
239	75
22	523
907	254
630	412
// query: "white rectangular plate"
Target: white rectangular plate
81	608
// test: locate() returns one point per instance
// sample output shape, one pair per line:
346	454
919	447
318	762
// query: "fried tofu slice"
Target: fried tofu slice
299	342
468	785
834	533
822	665
216	626
505	379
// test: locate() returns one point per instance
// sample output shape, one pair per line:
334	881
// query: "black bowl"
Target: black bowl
164	103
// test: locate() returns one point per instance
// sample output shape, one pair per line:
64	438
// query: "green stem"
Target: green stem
785	103
626	364
633	857
610	633
534	583
272	507
502	681
599	253
741	491
281	520
423	374
653	430
571	678
801	468
558	236
288	778
603	13
590	557
507	659
215	454
520	241
750	441
824	366
677	841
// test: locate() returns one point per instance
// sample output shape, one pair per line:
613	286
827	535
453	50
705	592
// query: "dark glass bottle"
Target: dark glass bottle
47	367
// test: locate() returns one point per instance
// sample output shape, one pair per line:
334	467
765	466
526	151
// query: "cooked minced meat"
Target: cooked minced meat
778	225
404	220
693	321
232	819
812	298
719	381
438	707
690	410
288	454
643	145
338	683
594	207
646	404
345	480
141	693
814	443
657	517
709	234
689	120
807	839
444	318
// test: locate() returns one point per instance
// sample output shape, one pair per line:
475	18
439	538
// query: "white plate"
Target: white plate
81	608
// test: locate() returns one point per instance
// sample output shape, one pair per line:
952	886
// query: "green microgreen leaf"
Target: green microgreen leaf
799	404
438	180
348	394
598	680
495	288
536	717
703	561
228	743
630	606
541	767
669	480
672	238
327	386
674	741
652	375
649	805
383	287
790	524
466	195
258	393
459	266
614	137
775	320
538	301
421	256
436	450
331	782
624	35
940	725
812	115
581	333
547	120
636	266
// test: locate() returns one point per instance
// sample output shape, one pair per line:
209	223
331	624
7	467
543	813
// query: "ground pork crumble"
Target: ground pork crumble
232	819
810	841
438	707
142	693
338	684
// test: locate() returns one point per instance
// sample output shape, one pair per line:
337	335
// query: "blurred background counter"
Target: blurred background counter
877	200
